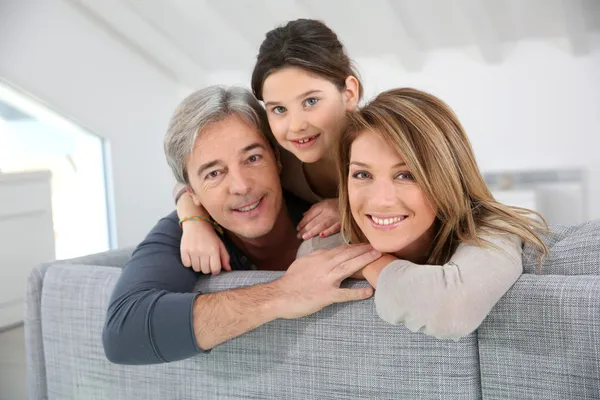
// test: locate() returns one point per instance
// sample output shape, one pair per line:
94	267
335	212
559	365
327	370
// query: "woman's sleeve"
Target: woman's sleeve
449	301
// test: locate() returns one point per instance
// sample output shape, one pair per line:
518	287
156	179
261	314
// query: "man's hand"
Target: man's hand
313	282
202	249
322	218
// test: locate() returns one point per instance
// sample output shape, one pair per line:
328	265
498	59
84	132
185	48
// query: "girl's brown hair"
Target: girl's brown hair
304	43
433	144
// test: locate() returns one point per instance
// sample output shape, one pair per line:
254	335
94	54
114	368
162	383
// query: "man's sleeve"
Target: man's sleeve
149	318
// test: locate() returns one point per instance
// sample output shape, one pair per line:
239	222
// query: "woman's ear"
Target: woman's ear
351	93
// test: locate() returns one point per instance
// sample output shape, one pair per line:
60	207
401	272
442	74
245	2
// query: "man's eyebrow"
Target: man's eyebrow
214	163
312	91
251	147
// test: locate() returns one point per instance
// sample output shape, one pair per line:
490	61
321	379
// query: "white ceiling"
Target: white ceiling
188	39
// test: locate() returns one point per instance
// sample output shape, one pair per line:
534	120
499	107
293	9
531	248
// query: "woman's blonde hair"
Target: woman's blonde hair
433	144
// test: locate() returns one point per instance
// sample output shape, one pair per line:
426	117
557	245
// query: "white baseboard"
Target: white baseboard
12	313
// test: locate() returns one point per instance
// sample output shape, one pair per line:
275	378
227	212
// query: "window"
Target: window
33	137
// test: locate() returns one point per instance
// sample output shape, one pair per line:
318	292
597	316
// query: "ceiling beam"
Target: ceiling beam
133	31
575	26
479	20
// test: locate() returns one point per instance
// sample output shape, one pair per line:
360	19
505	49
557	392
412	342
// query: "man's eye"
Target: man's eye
254	158
212	174
311	101
405	176
361	175
279	109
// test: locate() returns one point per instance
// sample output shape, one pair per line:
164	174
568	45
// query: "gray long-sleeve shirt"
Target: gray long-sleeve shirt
149	318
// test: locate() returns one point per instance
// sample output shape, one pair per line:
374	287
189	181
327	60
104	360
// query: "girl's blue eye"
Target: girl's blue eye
279	109
311	101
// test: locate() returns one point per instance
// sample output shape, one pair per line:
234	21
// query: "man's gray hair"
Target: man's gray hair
202	108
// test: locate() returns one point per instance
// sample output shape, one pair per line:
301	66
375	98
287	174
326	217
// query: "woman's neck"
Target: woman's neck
418	251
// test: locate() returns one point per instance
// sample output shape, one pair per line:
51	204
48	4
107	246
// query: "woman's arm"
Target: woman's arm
452	300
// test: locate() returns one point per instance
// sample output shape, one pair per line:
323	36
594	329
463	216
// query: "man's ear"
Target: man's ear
351	93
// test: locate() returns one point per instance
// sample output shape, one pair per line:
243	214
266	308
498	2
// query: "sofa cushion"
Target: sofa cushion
542	340
344	351
574	250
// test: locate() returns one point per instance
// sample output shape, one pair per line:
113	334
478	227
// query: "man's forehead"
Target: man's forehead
222	141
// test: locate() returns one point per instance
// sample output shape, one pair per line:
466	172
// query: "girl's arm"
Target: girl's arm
201	248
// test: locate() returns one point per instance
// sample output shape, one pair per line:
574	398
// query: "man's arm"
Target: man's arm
150	314
153	317
311	283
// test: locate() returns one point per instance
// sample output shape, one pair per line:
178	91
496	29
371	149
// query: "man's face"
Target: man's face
234	175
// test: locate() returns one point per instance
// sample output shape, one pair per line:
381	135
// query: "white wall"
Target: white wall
540	108
57	53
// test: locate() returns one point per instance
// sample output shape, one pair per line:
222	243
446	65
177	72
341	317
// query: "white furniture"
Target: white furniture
26	237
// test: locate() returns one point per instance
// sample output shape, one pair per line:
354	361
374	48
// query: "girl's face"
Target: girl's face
387	204
306	111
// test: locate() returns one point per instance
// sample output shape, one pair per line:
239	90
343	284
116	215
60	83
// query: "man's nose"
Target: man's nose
297	123
240	183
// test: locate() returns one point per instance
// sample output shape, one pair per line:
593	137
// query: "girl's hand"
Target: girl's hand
322	219
202	249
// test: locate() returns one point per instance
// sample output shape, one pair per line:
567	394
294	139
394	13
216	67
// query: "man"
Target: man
216	144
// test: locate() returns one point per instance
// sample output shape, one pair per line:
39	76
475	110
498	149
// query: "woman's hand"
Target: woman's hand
322	218
202	249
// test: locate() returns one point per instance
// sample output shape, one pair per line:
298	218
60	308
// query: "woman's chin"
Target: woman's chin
390	248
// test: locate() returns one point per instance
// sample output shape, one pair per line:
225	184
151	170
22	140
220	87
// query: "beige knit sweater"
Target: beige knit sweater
445	301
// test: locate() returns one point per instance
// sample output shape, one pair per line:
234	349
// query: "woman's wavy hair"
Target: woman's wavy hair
433	144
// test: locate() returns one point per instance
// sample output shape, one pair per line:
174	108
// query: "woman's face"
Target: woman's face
387	204
306	111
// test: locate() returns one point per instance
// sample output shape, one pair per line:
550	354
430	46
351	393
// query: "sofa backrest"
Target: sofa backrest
344	351
542	340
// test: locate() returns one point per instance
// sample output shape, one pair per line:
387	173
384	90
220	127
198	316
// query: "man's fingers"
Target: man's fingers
224	257
332	230
345	252
354	264
343	295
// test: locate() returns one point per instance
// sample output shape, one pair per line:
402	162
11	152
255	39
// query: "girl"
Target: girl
410	186
308	84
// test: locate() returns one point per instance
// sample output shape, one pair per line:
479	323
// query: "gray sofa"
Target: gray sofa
541	341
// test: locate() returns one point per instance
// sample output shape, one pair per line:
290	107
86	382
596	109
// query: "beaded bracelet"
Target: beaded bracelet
217	227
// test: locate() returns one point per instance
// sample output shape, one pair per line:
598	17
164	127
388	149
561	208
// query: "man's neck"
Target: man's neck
275	250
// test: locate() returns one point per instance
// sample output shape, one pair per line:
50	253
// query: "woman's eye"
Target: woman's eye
361	175
254	158
405	176
279	109
212	174
311	101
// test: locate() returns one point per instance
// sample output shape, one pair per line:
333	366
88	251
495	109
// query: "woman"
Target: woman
307	83
410	186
